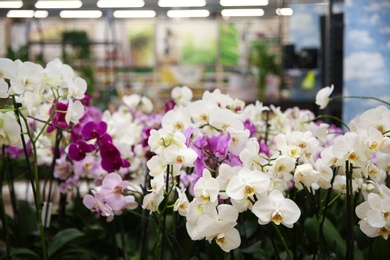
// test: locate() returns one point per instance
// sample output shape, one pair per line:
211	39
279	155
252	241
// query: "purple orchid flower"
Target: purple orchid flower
251	127
111	158
92	130
58	120
77	151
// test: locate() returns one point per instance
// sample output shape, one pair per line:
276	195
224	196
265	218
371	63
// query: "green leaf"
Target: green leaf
77	251
256	247
334	239
62	238
332	236
24	253
28	224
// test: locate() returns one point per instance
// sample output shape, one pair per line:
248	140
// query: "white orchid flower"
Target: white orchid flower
305	175
77	88
9	130
3	89
180	156
75	112
176	120
322	97
28	77
206	188
248	183
276	208
181	95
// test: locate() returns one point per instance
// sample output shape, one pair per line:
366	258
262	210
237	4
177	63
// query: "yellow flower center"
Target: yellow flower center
179	159
277	217
224	127
281	168
302	145
87	165
118	190
384	232
178	126
249	190
205	197
220	239
353	157
204	117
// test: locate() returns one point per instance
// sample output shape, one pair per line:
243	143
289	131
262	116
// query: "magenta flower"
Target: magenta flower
263	147
145	135
58	120
169	105
92	130
77	151
219	145
86	101
104	139
113	189
251	127
111	158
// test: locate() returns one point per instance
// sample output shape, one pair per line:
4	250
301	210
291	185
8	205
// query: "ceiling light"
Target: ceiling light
81	14
187	13
284	11
20	13
243	2
120	3
41	14
27	14
11	4
181	3
58	4
134	14
242	12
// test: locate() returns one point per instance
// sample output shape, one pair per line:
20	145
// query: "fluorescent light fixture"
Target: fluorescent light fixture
120	3
27	14
284	11
41	14
188	13
42	4
134	14
20	13
11	4
242	12
81	14
243	2
181	3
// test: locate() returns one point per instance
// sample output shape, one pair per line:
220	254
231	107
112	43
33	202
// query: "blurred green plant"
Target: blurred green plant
265	62
76	51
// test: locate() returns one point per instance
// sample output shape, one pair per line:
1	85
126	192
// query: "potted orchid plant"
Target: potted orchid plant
208	179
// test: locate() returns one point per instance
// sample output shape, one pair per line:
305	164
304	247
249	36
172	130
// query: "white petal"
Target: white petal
290	212
375	218
231	240
235	188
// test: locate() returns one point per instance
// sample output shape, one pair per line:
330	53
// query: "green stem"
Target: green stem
163	235
51	173
282	240
123	239
362	97
2	207
350	221
331	117
325	209
33	172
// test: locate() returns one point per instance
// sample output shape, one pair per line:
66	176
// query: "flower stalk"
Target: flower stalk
2	207
34	177
350	211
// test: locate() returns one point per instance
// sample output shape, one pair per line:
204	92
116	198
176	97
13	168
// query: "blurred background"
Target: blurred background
277	51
